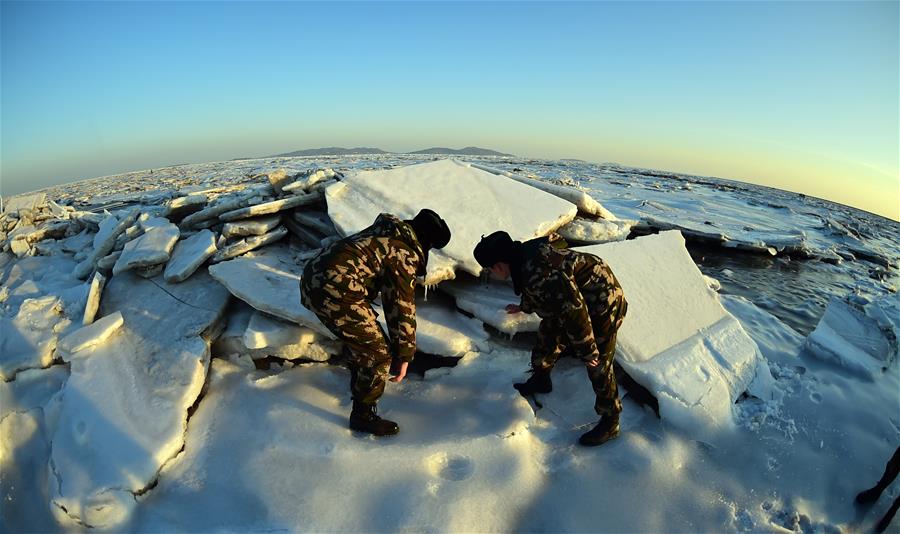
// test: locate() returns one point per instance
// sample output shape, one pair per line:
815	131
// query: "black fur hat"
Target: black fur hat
431	230
495	248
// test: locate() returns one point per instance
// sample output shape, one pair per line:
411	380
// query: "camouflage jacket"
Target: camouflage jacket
383	258
565	288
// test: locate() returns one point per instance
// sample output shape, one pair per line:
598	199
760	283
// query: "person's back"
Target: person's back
359	265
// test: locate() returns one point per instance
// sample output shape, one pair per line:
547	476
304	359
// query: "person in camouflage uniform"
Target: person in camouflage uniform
339	285
581	306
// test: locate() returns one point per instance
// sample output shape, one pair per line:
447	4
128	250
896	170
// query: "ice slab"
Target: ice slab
861	336
274	206
472	201
98	282
585	203
443	331
92	334
231	342
152	248
264	331
189	254
105	240
270	282
585	231
24	202
247	244
487	301
124	407
28	339
251	226
677	339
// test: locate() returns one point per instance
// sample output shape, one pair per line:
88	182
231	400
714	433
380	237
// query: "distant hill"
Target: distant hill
468	151
330	151
340	151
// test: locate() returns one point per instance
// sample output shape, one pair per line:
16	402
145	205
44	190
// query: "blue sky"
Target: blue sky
797	95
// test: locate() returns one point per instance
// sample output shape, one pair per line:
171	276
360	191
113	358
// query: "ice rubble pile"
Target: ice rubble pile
138	319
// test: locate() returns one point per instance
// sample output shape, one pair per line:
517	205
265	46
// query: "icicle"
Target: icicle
426	292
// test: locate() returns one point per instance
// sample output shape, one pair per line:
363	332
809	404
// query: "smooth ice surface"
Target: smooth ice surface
472	201
189	254
124	407
270	282
92	334
152	248
860	337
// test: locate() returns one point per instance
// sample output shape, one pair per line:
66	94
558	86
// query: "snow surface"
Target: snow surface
472	201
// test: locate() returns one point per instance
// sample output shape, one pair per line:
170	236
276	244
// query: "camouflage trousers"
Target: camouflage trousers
606	318
354	323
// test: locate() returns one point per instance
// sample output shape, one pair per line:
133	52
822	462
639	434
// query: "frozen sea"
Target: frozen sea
821	249
265	448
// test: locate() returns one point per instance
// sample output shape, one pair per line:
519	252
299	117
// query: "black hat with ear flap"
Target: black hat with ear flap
493	249
431	231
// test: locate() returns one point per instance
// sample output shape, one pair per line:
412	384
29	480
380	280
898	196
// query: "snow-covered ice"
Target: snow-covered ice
862	337
124	407
154	247
189	254
92	334
472	201
677	340
270	282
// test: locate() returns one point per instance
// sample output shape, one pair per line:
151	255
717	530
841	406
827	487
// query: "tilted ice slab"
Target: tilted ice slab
677	340
472	201
861	336
270	282
152	248
189	254
124	407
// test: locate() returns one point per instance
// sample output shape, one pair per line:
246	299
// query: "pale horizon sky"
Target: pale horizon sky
801	96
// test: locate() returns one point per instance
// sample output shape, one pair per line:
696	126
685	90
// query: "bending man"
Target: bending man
339	285
581	306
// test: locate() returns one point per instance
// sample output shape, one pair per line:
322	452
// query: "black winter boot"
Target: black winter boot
606	429
538	382
364	418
